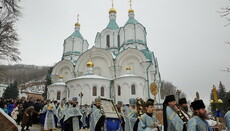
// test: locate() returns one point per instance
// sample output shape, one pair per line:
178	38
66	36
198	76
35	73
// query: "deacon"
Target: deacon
183	107
133	120
73	117
198	121
227	117
48	116
60	114
172	121
97	118
148	121
121	114
85	110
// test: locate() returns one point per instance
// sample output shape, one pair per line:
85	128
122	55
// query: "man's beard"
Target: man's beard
185	108
202	116
74	105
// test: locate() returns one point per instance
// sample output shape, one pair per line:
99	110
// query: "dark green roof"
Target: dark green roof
112	25
147	53
76	34
132	20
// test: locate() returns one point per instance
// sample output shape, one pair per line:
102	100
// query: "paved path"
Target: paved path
37	127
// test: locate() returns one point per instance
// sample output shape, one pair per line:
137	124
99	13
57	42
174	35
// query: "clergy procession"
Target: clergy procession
138	115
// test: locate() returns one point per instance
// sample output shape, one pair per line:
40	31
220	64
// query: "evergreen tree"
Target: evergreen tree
222	95
48	82
11	91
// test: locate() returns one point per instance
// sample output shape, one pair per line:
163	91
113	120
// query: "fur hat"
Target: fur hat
182	101
198	104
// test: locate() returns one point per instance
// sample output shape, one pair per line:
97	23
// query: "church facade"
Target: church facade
119	65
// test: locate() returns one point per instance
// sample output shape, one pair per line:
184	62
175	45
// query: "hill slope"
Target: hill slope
22	73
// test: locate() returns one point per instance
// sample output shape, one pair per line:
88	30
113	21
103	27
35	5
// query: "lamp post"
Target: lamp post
178	92
81	95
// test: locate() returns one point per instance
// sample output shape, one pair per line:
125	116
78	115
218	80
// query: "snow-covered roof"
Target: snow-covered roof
129	75
3	85
92	76
58	84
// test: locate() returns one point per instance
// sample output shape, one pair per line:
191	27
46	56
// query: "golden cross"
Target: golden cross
112	3
130	1
77	18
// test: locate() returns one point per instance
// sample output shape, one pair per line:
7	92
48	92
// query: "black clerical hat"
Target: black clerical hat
169	98
149	102
182	101
198	104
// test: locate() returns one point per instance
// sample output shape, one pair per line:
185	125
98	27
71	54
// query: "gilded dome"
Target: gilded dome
128	68
131	10
112	10
60	77
77	24
90	64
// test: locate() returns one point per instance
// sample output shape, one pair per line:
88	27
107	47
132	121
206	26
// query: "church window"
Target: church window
102	91
58	95
118	90
118	41
94	91
133	90
108	41
68	92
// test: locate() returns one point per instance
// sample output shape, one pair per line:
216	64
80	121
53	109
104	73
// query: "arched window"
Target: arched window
118	40
102	91
118	90
133	90
68	93
59	95
108	41
94	91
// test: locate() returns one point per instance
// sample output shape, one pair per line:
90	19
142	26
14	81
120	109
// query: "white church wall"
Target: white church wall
121	33
140	33
85	46
98	40
53	91
78	45
104	34
133	58
125	84
129	32
64	68
102	60
68	45
85	86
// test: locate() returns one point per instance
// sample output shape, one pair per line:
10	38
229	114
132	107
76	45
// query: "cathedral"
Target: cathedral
119	65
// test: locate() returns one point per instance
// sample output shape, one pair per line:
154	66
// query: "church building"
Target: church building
119	65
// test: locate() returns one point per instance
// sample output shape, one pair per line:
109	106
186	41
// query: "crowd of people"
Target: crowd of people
135	116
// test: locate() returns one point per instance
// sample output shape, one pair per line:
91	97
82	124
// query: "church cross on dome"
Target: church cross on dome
78	18
77	24
130	4
112	3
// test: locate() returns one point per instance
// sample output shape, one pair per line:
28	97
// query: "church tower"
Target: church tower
133	34
108	38
75	44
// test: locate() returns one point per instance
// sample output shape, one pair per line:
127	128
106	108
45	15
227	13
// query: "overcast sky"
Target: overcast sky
187	36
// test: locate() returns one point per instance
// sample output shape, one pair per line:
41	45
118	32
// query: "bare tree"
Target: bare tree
9	14
225	13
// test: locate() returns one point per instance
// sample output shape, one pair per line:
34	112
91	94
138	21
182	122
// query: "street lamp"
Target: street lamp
81	95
